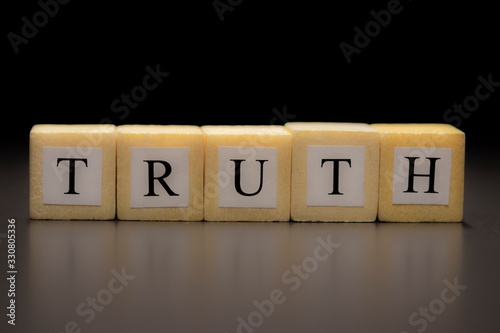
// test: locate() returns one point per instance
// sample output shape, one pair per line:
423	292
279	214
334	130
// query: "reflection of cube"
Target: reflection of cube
72	172
334	172
160	172
421	173
247	173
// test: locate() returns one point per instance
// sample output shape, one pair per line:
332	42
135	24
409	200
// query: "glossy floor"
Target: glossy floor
117	276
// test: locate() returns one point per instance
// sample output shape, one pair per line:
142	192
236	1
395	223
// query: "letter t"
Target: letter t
335	173
71	189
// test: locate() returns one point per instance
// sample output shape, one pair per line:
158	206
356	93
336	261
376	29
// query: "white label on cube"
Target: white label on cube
335	176
159	177
72	176
247	177
421	175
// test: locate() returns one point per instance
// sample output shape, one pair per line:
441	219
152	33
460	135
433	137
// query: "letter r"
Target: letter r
160	179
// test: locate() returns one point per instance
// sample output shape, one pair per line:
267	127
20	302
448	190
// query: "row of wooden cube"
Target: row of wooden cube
301	171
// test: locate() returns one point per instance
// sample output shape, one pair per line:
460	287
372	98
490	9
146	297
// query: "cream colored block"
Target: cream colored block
160	172
421	173
247	173
334	172
72	172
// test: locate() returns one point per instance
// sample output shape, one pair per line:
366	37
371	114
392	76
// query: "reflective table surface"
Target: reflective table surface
133	276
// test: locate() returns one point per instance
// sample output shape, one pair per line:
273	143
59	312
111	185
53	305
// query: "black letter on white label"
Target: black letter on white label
237	177
336	173
160	179
71	189
412	174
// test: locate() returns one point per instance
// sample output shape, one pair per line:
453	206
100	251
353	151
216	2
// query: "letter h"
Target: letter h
412	174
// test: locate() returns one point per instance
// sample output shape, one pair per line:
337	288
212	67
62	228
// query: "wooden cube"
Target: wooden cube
421	173
160	172
72	172
247	173
334	172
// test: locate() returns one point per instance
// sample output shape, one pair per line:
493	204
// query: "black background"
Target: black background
267	62
263	55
